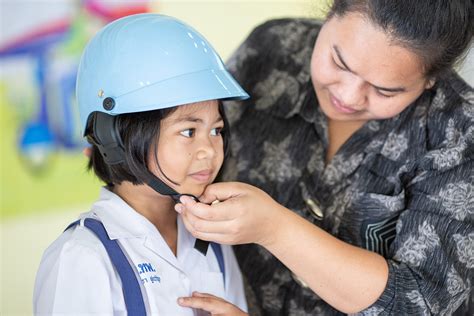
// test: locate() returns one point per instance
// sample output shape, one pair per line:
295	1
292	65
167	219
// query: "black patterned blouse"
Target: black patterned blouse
401	187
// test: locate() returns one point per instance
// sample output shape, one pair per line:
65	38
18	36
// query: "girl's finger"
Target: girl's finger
209	304
200	294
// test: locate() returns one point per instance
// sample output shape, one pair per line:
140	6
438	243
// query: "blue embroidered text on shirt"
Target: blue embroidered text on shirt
148	268
145	267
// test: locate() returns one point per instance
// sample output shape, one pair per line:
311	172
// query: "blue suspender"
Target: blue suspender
220	257
131	288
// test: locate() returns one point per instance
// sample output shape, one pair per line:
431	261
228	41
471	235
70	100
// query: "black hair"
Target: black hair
139	133
438	31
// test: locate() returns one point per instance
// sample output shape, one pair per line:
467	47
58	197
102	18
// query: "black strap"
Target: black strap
160	187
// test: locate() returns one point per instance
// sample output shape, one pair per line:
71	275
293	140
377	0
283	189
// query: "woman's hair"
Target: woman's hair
438	31
139	133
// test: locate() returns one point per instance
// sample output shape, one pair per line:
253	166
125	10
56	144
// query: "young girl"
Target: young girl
149	90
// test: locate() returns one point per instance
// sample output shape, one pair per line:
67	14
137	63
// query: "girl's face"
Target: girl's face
359	74
190	147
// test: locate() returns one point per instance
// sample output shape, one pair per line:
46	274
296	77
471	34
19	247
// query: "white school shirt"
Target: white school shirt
76	275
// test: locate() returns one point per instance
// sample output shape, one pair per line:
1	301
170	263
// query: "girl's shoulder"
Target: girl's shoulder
76	241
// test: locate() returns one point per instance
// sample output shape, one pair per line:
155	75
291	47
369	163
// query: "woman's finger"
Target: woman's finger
221	191
221	232
222	238
214	212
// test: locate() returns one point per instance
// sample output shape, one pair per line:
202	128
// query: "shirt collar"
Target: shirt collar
119	219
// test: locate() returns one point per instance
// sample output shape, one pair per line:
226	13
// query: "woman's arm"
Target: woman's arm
432	262
347	277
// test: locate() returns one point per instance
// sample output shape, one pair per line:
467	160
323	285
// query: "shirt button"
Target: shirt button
185	282
299	281
315	209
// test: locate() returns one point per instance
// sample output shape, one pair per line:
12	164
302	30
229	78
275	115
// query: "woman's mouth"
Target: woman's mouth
202	176
339	106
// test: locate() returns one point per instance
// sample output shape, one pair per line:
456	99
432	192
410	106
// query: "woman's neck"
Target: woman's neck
339	132
158	209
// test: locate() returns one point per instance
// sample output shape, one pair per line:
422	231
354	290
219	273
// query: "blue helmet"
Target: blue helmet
148	62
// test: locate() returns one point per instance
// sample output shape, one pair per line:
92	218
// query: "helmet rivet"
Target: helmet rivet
109	103
101	93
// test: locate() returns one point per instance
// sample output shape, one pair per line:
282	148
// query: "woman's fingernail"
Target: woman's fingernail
180	300
185	199
179	208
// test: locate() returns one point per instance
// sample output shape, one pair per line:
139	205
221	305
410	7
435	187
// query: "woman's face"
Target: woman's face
359	74
190	147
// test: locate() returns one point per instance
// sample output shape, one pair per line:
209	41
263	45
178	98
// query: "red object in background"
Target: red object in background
41	38
110	13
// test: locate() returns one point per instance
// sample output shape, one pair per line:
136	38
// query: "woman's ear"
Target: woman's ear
430	83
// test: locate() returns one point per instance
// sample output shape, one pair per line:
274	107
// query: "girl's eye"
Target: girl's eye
188	132
216	131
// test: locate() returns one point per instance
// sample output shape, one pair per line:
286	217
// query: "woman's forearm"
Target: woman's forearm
347	277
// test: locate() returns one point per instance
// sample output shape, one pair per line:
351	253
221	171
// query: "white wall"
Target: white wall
227	23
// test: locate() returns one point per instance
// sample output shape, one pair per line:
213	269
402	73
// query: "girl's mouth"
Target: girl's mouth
202	176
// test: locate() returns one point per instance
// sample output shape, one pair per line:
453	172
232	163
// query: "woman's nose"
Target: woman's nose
353	93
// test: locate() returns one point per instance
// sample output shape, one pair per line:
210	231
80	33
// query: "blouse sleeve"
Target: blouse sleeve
430	271
73	279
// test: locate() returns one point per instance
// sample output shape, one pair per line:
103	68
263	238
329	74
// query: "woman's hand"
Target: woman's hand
210	303
245	214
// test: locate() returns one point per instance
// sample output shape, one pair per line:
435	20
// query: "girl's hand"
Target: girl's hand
245	214
210	303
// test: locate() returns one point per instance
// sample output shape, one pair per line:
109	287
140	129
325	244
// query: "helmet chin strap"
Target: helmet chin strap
106	137
159	186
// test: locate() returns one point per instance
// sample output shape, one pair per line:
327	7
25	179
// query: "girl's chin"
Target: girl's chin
197	192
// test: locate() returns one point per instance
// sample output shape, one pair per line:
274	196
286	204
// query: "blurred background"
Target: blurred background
44	184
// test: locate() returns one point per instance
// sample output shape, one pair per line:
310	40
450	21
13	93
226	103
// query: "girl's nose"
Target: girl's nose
206	149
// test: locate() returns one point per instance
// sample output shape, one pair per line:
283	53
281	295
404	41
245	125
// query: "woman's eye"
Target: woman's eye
216	131
383	94
188	132
337	65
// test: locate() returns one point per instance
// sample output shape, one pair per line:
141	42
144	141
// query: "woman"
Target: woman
362	136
